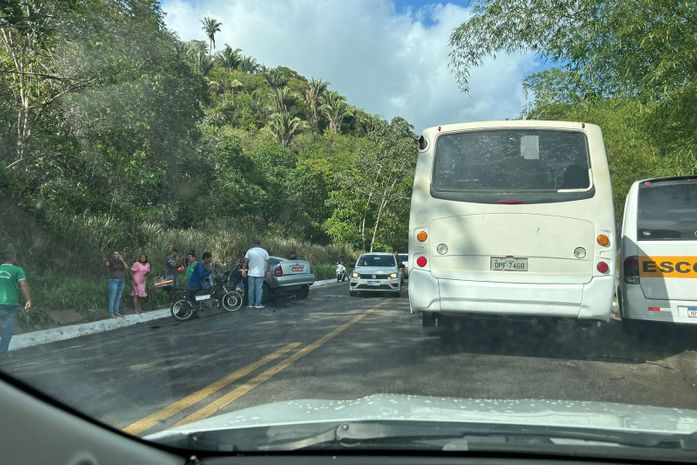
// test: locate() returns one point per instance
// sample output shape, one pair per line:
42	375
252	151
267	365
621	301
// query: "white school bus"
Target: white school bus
659	252
512	218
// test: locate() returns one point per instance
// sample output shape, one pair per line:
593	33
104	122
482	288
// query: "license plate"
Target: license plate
373	283
202	297
692	312
297	269
509	264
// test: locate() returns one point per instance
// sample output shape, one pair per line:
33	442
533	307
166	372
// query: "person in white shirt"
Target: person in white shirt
256	266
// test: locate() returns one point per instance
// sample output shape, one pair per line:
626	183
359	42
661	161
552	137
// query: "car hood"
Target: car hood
420	409
375	269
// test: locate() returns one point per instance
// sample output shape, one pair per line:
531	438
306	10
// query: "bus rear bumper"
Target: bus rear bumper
590	301
635	306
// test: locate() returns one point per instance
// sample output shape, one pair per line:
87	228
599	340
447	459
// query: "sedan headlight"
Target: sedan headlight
355	275
393	275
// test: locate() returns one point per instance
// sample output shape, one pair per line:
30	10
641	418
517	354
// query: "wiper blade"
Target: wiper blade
454	436
427	436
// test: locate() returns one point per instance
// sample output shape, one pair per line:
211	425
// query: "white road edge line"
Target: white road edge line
62	333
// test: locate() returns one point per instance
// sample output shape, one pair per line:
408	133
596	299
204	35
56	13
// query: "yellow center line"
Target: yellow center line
235	394
185	402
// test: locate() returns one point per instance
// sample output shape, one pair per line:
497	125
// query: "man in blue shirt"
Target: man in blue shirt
201	272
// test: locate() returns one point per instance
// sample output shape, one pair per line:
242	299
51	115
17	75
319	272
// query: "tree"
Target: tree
377	185
334	106
313	94
284	127
617	48
249	65
196	52
228	58
49	50
276	79
282	99
210	27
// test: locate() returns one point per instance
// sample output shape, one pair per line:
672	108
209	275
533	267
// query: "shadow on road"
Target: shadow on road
571	341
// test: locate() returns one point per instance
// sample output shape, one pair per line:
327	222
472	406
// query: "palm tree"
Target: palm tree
196	51
249	65
284	127
282	99
276	79
335	107
210	27
313	93
228	58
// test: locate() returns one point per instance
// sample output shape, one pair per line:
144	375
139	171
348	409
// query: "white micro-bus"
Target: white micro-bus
512	218
659	251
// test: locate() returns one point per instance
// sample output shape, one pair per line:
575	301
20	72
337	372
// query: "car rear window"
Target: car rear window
376	260
542	163
667	211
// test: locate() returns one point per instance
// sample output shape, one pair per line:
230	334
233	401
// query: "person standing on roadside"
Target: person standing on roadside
117	274
190	260
11	279
139	274
256	266
172	263
200	277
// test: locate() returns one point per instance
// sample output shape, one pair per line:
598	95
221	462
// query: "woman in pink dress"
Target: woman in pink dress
139	273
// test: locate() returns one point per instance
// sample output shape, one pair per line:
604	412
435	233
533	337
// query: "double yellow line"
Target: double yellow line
182	404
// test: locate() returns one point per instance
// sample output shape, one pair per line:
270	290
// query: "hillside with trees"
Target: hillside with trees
119	135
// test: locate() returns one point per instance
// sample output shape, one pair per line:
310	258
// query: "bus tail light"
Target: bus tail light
421	261
603	267
654	309
603	240
421	236
631	270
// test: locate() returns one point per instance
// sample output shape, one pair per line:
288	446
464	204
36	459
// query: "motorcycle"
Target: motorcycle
340	272
222	293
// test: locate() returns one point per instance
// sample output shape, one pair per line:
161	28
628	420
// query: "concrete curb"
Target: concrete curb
62	333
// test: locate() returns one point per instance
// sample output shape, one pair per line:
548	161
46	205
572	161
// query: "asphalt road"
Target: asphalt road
148	377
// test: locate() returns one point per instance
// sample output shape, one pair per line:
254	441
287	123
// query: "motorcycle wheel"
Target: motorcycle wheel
182	310
232	301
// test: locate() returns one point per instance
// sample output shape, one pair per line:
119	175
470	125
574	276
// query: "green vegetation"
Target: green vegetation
118	135
626	65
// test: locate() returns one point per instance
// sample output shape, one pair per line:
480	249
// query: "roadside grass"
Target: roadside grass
64	262
328	271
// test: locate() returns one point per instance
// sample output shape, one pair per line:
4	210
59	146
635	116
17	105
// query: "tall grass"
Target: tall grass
64	257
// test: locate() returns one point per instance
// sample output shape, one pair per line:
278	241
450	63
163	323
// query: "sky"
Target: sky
388	57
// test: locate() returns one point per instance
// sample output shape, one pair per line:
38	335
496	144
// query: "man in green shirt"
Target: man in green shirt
191	264
11	279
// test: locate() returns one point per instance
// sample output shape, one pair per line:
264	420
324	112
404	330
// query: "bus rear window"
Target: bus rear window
667	212
509	161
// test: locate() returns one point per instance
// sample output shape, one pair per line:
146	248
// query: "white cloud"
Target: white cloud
387	63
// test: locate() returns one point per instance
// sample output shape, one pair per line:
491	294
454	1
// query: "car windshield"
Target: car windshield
258	226
376	260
